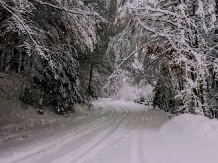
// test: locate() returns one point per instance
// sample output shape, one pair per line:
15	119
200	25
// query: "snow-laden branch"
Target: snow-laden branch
75	11
187	27
126	59
10	10
167	12
126	30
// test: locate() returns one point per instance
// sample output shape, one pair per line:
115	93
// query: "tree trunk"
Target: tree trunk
90	79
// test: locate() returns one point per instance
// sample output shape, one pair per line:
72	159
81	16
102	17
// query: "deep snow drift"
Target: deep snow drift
111	132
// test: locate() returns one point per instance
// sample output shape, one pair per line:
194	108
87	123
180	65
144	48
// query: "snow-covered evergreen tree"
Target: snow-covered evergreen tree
51	34
188	27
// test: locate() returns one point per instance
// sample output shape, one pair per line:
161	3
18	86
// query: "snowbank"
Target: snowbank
190	125
80	109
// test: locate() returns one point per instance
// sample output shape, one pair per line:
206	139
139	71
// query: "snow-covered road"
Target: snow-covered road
114	132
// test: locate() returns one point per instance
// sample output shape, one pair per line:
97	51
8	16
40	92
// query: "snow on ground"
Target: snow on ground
185	139
191	125
111	132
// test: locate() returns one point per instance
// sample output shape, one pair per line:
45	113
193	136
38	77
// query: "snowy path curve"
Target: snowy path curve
115	132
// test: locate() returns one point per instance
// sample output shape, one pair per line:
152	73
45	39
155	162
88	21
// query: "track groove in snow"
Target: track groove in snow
68	139
84	149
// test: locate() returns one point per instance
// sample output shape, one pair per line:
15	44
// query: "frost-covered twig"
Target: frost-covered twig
76	11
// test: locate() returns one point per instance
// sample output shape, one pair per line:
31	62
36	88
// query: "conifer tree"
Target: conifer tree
50	36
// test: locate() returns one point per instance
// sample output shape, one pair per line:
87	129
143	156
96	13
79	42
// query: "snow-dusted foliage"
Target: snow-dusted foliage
51	34
187	26
126	54
143	95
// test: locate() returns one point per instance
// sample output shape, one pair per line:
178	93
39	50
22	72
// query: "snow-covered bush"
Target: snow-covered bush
143	95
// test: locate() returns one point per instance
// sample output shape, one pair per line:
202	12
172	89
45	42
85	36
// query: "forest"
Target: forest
159	52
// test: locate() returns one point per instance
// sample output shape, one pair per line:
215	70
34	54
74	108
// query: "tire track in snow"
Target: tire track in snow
96	141
61	145
111	141
131	124
56	146
137	144
35	155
